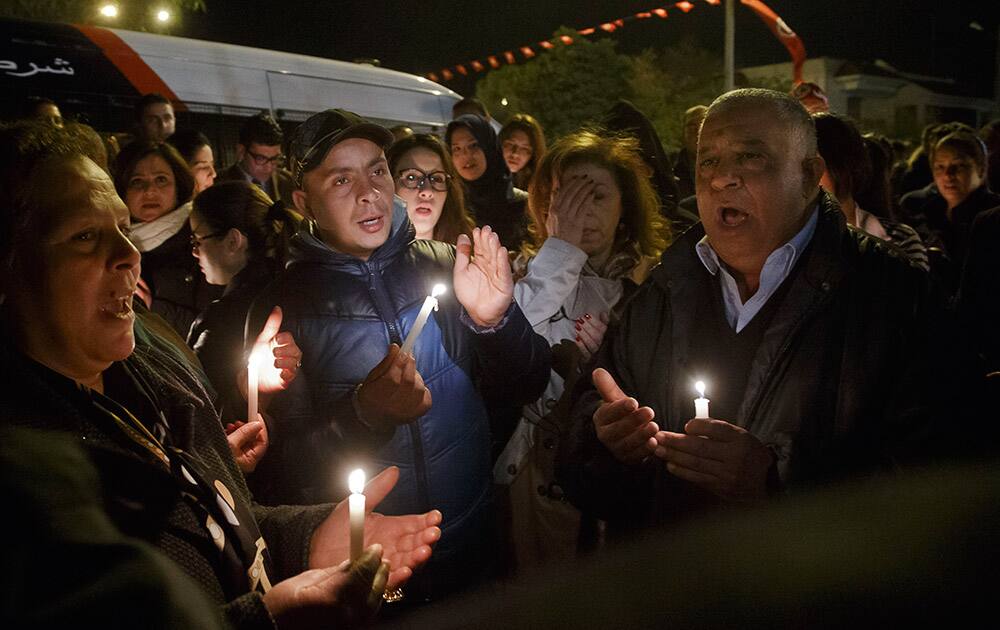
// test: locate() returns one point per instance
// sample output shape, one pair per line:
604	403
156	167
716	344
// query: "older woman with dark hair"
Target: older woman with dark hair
78	361
523	144
849	170
595	231
427	181
156	184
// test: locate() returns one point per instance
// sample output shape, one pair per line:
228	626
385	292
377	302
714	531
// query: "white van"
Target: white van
97	74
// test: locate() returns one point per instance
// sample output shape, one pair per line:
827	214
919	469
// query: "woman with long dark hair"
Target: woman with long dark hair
427	181
523	144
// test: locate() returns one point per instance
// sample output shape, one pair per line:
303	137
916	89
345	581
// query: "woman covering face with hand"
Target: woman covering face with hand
595	231
80	363
426	180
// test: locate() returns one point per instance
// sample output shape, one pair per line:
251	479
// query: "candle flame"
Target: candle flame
700	386
356	481
257	358
439	289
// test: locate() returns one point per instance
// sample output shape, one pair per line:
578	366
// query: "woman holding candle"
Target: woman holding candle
427	181
595	230
80	363
239	238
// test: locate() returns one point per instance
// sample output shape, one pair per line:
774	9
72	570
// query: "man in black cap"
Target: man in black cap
350	295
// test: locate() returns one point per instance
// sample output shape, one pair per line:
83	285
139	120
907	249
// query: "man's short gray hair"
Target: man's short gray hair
788	110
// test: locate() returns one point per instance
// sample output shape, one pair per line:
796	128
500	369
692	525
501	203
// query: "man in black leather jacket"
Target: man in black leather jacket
813	339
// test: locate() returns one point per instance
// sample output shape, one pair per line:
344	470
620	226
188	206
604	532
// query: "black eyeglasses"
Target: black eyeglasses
263	160
196	240
416	179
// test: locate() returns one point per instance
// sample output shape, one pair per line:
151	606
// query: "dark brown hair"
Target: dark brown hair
620	155
531	128
454	218
240	205
140	149
841	147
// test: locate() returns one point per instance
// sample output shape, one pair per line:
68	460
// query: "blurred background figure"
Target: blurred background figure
259	159
812	97
596	230
625	118
849	169
990	133
427	181
44	109
470	105
523	143
492	198
194	147
684	160
918	167
154	118
943	213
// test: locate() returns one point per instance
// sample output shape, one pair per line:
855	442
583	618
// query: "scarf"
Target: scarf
149	235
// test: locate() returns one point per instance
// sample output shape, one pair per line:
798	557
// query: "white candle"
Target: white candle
425	312
253	384
356	511
701	403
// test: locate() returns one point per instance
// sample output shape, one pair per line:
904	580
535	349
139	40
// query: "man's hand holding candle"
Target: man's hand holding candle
393	393
406	540
483	281
277	373
723	458
625	428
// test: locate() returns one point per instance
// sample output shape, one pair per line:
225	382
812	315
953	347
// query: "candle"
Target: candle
356	511
253	384
425	312
701	403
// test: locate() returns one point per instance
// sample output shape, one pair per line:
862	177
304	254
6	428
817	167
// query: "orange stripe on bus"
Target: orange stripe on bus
129	63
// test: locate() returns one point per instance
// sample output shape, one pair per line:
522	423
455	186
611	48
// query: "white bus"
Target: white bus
96	74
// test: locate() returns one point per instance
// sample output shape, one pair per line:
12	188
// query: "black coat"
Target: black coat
217	335
839	383
979	298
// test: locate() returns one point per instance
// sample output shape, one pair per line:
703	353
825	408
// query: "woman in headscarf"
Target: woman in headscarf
491	196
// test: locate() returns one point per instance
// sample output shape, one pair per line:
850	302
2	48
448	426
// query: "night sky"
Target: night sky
921	36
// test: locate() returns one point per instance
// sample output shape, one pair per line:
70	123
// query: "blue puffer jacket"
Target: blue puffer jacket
344	313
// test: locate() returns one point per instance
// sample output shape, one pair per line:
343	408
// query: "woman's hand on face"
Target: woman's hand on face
590	333
566	215
247	442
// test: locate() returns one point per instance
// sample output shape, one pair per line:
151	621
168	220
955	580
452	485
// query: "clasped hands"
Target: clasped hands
716	455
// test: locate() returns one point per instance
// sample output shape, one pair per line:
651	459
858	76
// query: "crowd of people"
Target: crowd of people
835	300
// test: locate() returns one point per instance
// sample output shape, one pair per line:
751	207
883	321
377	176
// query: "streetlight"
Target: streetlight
163	16
109	10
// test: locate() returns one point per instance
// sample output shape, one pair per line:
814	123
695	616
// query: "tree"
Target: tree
564	88
138	16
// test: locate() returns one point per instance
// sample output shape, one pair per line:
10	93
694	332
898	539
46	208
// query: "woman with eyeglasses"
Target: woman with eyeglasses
156	184
523	144
239	238
426	180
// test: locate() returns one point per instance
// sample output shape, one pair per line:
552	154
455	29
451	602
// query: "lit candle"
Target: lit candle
701	403
356	511
253	383
425	312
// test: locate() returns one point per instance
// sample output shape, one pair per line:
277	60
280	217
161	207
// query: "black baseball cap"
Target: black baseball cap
312	139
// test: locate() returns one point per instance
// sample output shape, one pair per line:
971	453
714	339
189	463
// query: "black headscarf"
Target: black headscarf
492	198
